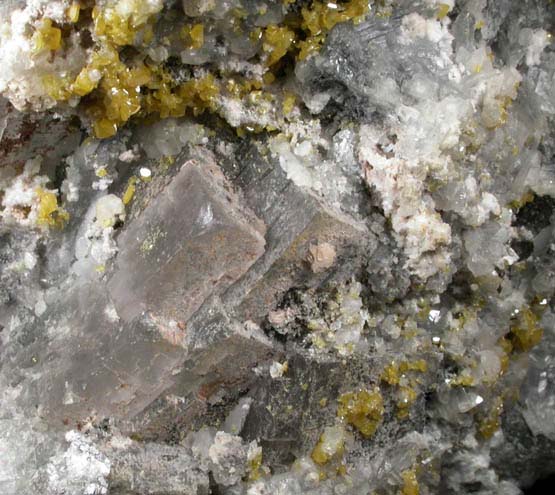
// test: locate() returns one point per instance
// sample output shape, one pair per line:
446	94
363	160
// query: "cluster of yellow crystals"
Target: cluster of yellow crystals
121	93
197	95
442	11
114	90
307	34
116	86
393	371
255	467
410	483
49	213
492	421
73	12
319	454
322	17
119	97
130	190
47	37
363	410
278	40
462	380
193	35
525	333
525	330
407	395
121	24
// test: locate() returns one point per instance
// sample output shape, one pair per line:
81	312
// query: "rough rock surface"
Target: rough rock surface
255	247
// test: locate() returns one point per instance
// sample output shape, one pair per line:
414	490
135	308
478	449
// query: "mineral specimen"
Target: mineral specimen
281	247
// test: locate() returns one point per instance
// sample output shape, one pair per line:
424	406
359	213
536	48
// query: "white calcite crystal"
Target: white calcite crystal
226	453
24	69
81	469
22	193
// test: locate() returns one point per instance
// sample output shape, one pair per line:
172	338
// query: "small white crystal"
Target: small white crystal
277	370
145	172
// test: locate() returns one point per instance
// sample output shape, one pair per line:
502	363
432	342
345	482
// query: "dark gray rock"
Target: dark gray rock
296	219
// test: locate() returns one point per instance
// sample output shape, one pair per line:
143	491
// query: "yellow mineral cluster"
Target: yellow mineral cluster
401	375
492	421
49	214
255	466
117	91
194	35
410	483
73	12
393	371
406	397
321	17
120	24
363	410
47	37
277	42
442	11
330	445
130	190
525	330
116	84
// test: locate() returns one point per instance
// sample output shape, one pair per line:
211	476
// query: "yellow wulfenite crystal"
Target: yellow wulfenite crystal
393	371
104	128
194	35
390	374
330	445
119	95
49	214
462	380
442	11
525	331
73	12
491	423
130	191
254	467
321	17
309	46
47	37
406	398
277	41
288	103
363	410
117	88
86	81
526	198
410	483
419	365
120	24
56	87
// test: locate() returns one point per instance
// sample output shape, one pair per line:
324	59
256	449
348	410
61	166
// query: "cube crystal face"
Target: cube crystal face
191	241
196	271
